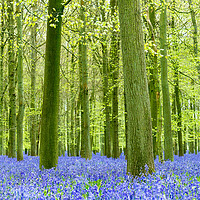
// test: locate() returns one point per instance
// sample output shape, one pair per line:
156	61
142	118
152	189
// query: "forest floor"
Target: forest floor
99	178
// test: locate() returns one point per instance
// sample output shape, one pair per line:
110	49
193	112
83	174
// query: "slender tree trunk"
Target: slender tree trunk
1	76
11	75
20	116
136	89
176	89
126	125
92	112
85	137
179	119
191	128
154	85
77	126
168	145
195	31
72	135
159	128
195	127
174	118
114	65
106	92
49	124
33	82
68	131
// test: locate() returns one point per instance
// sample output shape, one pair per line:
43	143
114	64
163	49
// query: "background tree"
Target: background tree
85	120
168	145
11	75
20	116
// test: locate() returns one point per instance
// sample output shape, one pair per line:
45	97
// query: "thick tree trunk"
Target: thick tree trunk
140	144
85	118
49	124
11	75
168	145
20	116
33	129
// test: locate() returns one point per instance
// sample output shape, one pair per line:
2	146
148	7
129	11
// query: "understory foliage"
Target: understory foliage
98	178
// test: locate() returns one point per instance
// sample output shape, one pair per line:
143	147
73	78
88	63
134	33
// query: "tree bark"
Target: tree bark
72	135
49	123
1	76
114	70
168	144
20	116
106	92
11	75
85	118
153	85
140	144
33	82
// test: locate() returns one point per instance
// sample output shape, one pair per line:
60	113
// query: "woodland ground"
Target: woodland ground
99	178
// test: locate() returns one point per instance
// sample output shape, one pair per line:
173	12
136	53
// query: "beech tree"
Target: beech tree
139	136
20	116
11	74
33	81
49	123
168	144
85	117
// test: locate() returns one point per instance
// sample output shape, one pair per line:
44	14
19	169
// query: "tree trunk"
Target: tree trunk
20	116
11	75
140	144
85	125
106	92
77	126
33	82
1	76
114	68
168	145
126	125
153	85
72	135
49	123
195	31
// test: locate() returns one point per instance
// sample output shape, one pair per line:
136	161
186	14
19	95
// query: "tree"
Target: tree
20	116
140	145
106	92
168	144
114	68
33	81
153	82
1	76
49	123
11	74
176	88
85	117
